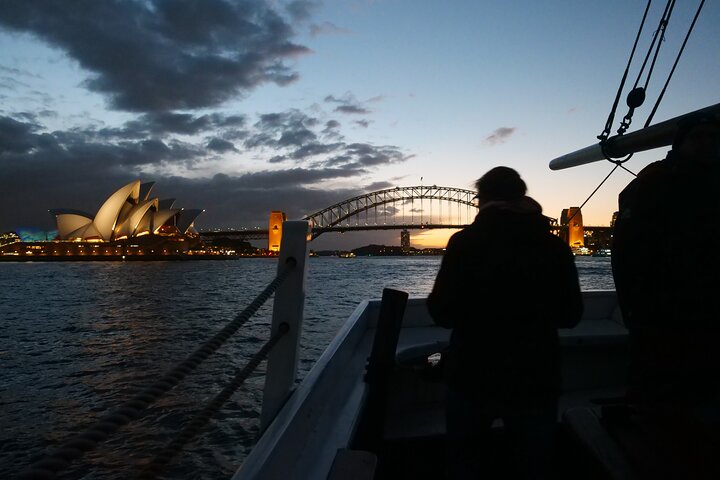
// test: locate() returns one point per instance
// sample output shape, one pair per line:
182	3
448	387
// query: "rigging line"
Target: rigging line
611	116
677	59
626	169
663	21
593	192
661	34
636	97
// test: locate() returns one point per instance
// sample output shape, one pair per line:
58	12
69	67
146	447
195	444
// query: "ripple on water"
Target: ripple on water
105	330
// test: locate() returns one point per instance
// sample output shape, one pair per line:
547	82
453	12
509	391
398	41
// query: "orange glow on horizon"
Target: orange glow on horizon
432	238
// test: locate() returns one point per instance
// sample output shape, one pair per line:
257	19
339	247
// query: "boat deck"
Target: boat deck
323	414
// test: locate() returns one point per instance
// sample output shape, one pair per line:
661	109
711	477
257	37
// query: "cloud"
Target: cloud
301	10
500	135
284	129
347	104
17	72
362	123
373	187
78	168
221	146
17	137
327	28
163	123
161	55
353	109
331	130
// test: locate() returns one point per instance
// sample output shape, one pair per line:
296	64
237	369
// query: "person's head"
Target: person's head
698	138
500	183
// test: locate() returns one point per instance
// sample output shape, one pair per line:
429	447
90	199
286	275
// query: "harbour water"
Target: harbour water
79	338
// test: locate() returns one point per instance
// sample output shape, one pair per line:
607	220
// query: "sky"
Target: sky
243	107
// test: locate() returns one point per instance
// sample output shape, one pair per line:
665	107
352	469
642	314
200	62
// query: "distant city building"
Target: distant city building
275	230
571	223
128	213
614	219
8	238
405	240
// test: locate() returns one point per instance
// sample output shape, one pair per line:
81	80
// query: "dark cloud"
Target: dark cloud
347	104
164	123
331	125
362	123
313	149
286	129
500	135
355	109
79	168
221	146
369	155
161	55
373	187
331	130
17	137
278	159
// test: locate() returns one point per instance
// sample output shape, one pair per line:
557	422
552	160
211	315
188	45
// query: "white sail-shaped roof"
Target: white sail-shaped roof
87	232
69	222
127	213
107	215
124	212
145	225
129	226
161	217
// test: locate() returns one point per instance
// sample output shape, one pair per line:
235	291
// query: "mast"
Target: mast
654	136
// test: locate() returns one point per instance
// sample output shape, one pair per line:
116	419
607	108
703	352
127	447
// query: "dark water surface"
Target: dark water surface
79	338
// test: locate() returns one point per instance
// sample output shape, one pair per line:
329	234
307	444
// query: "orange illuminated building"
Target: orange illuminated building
275	230
572	227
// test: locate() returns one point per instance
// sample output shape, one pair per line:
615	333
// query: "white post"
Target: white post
287	308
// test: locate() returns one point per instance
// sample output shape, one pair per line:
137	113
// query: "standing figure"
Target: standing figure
505	286
666	264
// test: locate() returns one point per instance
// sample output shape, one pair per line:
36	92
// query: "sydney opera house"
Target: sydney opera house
127	213
129	223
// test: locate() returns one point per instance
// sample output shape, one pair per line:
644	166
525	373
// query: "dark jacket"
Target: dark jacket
666	264
505	286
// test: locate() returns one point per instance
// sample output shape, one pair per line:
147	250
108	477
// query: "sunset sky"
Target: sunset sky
242	107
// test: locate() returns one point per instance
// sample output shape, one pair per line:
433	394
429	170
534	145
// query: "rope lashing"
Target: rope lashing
57	461
194	427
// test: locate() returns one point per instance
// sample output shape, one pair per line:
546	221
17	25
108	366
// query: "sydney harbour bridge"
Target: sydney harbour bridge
399	208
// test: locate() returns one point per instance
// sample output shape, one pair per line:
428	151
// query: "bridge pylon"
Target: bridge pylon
275	230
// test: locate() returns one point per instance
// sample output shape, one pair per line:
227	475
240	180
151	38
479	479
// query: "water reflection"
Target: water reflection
76	339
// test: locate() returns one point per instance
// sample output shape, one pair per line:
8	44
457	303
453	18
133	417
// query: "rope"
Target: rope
194	427
75	448
636	97
677	59
611	116
617	164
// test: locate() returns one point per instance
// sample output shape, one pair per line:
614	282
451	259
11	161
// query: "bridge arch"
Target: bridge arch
336	217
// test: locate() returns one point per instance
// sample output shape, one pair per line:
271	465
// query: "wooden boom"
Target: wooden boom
654	136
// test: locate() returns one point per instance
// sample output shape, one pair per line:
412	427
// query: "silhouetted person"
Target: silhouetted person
505	286
666	264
